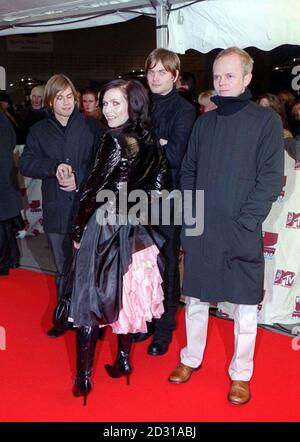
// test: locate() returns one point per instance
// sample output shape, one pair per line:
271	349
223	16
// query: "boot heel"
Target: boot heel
85	399
127	378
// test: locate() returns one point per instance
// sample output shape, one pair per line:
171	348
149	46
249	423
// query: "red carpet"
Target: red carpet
37	372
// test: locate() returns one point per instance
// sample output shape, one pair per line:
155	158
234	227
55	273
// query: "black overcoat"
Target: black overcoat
172	117
10	199
48	144
237	159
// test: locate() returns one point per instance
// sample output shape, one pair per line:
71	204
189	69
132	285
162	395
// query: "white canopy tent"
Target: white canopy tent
212	24
38	16
28	16
201	25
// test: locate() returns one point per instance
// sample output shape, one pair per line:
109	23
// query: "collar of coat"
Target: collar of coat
52	117
139	130
231	105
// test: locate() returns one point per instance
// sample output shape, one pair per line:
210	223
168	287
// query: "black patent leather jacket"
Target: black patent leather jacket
126	155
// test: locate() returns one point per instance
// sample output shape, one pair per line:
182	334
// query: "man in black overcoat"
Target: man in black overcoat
235	155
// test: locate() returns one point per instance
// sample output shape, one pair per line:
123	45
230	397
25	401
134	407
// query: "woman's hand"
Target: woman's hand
76	245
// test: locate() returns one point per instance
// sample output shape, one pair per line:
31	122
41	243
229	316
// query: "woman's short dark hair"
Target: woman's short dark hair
137	97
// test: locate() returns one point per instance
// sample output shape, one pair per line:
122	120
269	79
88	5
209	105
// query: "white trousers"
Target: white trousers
245	329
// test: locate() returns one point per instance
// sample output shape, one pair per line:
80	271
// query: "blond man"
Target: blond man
235	155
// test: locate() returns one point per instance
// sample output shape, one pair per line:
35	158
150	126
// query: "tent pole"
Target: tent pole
161	25
2	78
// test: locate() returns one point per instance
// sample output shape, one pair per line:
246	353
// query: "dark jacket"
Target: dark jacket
127	155
235	156
10	199
48	144
172	117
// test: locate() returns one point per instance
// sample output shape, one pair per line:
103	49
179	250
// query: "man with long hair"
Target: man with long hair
172	117
60	150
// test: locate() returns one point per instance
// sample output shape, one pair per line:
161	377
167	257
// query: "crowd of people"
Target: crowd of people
90	149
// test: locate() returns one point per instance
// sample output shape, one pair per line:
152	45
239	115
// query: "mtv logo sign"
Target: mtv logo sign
285	279
293	220
270	241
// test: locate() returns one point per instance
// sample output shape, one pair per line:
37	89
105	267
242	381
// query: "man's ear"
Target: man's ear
247	79
176	76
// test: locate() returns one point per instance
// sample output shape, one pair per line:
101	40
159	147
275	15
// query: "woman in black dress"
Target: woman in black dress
117	275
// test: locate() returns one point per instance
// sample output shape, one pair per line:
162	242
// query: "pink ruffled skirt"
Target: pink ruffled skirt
142	295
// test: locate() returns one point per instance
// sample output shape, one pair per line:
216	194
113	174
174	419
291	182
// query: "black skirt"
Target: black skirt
103	258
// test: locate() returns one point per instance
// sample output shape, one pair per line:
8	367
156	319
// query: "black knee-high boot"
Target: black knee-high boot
121	365
86	339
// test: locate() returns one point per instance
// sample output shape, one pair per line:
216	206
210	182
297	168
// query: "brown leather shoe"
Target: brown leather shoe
181	374
239	392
